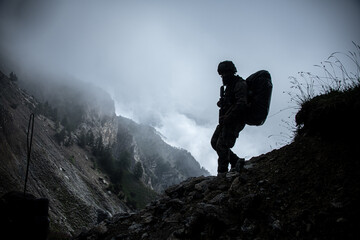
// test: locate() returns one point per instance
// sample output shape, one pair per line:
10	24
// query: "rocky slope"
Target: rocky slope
308	189
90	163
77	192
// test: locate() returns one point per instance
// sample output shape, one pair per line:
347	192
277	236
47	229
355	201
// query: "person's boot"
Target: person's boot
222	169
238	166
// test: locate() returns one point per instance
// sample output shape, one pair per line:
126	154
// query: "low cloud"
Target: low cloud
183	132
158	59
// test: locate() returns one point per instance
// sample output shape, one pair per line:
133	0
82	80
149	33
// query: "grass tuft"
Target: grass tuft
341	72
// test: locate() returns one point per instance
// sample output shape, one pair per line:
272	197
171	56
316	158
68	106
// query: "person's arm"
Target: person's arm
238	109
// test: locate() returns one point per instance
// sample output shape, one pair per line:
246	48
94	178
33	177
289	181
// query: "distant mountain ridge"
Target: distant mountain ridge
89	162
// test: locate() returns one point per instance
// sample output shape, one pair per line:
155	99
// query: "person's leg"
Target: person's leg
233	158
221	150
215	137
225	141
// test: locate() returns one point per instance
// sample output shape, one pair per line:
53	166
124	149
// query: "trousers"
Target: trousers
222	141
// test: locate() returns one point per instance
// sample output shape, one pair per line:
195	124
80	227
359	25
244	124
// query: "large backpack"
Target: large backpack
259	96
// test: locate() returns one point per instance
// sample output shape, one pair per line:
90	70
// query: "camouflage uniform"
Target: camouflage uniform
231	121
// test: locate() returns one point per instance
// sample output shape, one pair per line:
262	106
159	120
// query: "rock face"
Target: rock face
75	175
308	189
64	175
87	108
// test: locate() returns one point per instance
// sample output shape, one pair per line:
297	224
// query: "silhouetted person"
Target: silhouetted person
232	103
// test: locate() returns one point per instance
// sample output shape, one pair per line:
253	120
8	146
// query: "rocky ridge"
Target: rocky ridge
306	190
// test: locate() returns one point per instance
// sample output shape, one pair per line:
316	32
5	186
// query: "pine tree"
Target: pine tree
82	139
98	147
60	136
90	138
138	170
13	77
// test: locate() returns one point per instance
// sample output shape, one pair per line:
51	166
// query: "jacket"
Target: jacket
233	104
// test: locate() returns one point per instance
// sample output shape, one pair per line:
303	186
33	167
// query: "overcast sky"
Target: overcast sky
158	59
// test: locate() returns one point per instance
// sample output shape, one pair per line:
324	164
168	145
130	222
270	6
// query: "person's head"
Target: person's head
226	70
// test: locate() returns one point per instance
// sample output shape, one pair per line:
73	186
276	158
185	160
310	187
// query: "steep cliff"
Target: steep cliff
84	109
77	192
89	162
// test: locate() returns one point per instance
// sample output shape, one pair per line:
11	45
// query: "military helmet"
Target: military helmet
226	67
